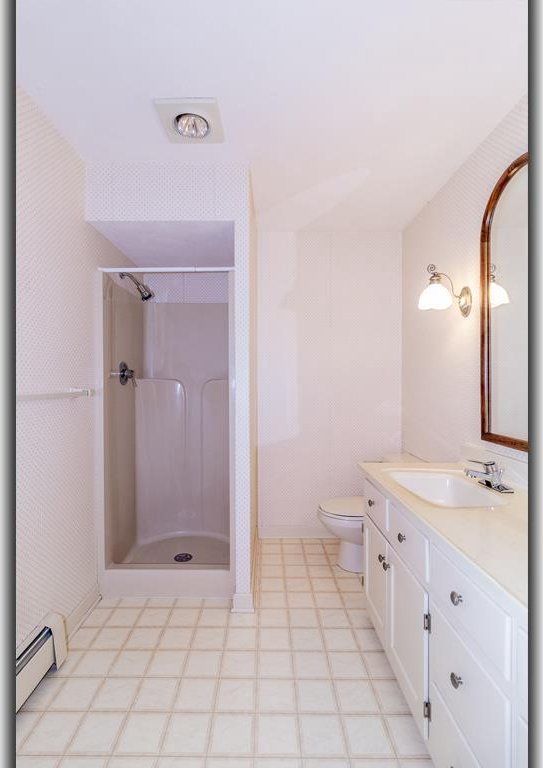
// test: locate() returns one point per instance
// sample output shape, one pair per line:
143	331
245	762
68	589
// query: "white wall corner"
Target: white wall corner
81	611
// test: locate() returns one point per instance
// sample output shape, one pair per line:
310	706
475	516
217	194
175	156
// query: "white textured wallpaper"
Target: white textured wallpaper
441	349
58	289
329	363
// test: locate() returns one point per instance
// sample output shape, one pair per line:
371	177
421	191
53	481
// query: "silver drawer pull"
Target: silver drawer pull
456	680
370	502
456	599
386	566
401	537
380	558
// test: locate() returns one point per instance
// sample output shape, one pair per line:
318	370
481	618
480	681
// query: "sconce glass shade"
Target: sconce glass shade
435	296
497	294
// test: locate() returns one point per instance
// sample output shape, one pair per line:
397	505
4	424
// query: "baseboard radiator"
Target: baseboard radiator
47	647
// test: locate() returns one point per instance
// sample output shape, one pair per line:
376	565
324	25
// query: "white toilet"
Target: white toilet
344	517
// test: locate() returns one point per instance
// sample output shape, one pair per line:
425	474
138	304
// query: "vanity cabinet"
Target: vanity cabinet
458	652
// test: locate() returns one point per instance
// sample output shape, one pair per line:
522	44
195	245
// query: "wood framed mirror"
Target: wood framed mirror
504	310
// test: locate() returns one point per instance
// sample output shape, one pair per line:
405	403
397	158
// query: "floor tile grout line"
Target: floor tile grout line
130	710
180	680
211	726
294	686
331	679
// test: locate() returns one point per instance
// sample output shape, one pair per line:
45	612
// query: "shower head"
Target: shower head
144	291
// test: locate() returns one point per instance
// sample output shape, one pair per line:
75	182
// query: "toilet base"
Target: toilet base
351	557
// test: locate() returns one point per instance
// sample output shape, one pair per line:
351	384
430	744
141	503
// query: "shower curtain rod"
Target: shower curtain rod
150	270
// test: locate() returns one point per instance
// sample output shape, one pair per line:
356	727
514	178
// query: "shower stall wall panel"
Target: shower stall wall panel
182	488
123	340
161	457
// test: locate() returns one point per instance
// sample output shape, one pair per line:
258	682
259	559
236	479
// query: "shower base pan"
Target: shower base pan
183	551
150	570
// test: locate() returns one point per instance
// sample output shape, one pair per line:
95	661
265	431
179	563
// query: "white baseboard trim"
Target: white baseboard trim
74	620
242	602
293	532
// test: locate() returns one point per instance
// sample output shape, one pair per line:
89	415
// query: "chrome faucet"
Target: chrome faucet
490	476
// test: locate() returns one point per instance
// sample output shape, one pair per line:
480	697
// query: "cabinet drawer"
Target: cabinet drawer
469	610
409	542
481	710
446	744
376	506
522	672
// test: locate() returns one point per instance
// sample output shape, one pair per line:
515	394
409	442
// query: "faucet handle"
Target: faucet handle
490	466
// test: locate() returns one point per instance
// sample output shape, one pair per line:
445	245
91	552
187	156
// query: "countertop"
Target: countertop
494	538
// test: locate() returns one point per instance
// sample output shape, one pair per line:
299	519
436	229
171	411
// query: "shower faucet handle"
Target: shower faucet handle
126	373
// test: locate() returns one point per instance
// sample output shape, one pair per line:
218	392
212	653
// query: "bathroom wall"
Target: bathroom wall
253	332
329	363
58	299
440	390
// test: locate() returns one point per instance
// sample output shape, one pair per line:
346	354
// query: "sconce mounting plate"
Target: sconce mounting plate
465	301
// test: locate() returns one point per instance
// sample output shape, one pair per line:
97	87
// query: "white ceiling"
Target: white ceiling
351	113
172	243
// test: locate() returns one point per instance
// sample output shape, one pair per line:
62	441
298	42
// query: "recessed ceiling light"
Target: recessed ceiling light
191	126
192	120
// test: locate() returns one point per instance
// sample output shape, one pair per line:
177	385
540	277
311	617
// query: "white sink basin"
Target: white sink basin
446	488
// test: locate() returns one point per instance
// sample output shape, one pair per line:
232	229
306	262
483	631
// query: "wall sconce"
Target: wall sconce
497	295
437	296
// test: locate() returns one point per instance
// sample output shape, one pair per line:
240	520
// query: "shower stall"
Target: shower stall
167	439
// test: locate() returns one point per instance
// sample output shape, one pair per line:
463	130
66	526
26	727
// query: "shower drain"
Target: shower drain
183	557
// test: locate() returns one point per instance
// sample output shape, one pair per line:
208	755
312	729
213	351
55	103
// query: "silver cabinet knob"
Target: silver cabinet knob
456	680
456	599
380	558
370	502
386	566
401	537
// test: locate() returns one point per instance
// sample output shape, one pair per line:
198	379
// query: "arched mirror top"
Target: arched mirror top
504	310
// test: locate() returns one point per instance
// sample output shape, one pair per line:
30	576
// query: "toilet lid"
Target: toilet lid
344	506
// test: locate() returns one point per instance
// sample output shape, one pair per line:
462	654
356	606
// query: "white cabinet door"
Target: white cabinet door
520	750
375	580
407	636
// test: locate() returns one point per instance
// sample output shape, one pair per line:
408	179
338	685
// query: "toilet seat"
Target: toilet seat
343	508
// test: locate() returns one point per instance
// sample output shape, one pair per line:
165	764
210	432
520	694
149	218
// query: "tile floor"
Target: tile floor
160	683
